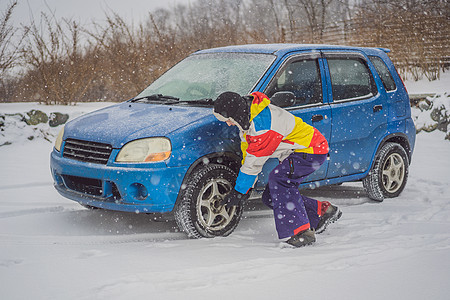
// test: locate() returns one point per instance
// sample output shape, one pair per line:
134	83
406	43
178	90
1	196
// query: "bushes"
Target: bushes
433	113
62	63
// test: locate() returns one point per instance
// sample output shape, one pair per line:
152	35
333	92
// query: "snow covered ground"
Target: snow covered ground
52	248
424	86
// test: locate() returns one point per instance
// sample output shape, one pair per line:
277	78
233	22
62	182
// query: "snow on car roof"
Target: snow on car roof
278	49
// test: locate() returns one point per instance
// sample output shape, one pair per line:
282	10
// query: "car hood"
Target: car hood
118	124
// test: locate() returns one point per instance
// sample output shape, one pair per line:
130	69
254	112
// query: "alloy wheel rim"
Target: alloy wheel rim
393	173
211	214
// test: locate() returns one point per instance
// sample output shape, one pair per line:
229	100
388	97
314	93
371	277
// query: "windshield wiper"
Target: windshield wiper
157	97
204	101
169	100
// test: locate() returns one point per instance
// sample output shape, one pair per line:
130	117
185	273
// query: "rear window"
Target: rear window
350	79
383	71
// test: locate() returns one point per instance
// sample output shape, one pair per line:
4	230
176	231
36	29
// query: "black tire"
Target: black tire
198	212
389	173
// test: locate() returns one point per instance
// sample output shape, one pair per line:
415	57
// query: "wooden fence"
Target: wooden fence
419	44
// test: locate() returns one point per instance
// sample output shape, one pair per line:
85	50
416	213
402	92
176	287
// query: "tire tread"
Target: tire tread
183	217
372	182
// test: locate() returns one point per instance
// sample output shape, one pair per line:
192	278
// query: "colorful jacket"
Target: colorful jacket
273	132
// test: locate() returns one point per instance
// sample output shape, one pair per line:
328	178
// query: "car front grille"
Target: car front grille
105	190
84	185
87	151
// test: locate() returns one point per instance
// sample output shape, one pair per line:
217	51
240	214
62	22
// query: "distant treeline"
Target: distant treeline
58	61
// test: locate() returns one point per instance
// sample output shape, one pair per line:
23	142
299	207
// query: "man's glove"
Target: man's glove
234	198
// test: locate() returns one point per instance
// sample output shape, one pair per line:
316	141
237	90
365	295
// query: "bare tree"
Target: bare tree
9	49
64	63
308	19
59	69
7	31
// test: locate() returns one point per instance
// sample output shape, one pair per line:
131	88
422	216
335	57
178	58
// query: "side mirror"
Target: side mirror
283	99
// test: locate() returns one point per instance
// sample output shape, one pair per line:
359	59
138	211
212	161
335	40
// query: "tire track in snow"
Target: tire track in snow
93	240
161	232
23	212
26	185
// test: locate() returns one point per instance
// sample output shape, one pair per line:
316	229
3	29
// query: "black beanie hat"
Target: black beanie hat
230	105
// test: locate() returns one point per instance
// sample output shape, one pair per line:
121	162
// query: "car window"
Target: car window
350	79
383	71
302	78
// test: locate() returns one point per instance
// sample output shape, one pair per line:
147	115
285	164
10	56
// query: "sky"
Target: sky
86	11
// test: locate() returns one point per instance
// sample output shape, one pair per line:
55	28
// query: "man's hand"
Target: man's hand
234	198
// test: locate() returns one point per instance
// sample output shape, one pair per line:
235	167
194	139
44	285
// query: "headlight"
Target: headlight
59	140
145	150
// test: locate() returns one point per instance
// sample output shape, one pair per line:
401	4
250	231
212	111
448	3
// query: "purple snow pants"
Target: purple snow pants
292	211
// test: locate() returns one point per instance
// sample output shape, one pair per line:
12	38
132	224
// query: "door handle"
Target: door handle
377	108
316	118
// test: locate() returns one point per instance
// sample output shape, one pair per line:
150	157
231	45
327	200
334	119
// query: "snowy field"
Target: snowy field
52	248
424	86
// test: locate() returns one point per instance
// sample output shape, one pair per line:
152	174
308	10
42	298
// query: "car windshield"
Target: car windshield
206	76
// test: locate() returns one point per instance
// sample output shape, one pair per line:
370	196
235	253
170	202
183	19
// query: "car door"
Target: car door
303	75
358	115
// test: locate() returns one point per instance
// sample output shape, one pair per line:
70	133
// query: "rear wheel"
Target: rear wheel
198	212
389	173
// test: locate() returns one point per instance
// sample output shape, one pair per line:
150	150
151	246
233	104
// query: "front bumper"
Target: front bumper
147	188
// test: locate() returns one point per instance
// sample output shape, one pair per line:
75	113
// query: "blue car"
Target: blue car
163	151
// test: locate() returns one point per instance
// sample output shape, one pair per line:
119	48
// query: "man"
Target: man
270	131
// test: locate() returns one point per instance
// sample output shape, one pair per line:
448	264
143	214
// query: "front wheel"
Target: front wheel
198	212
389	173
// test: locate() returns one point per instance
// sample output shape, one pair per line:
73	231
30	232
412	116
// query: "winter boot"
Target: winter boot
331	215
303	238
